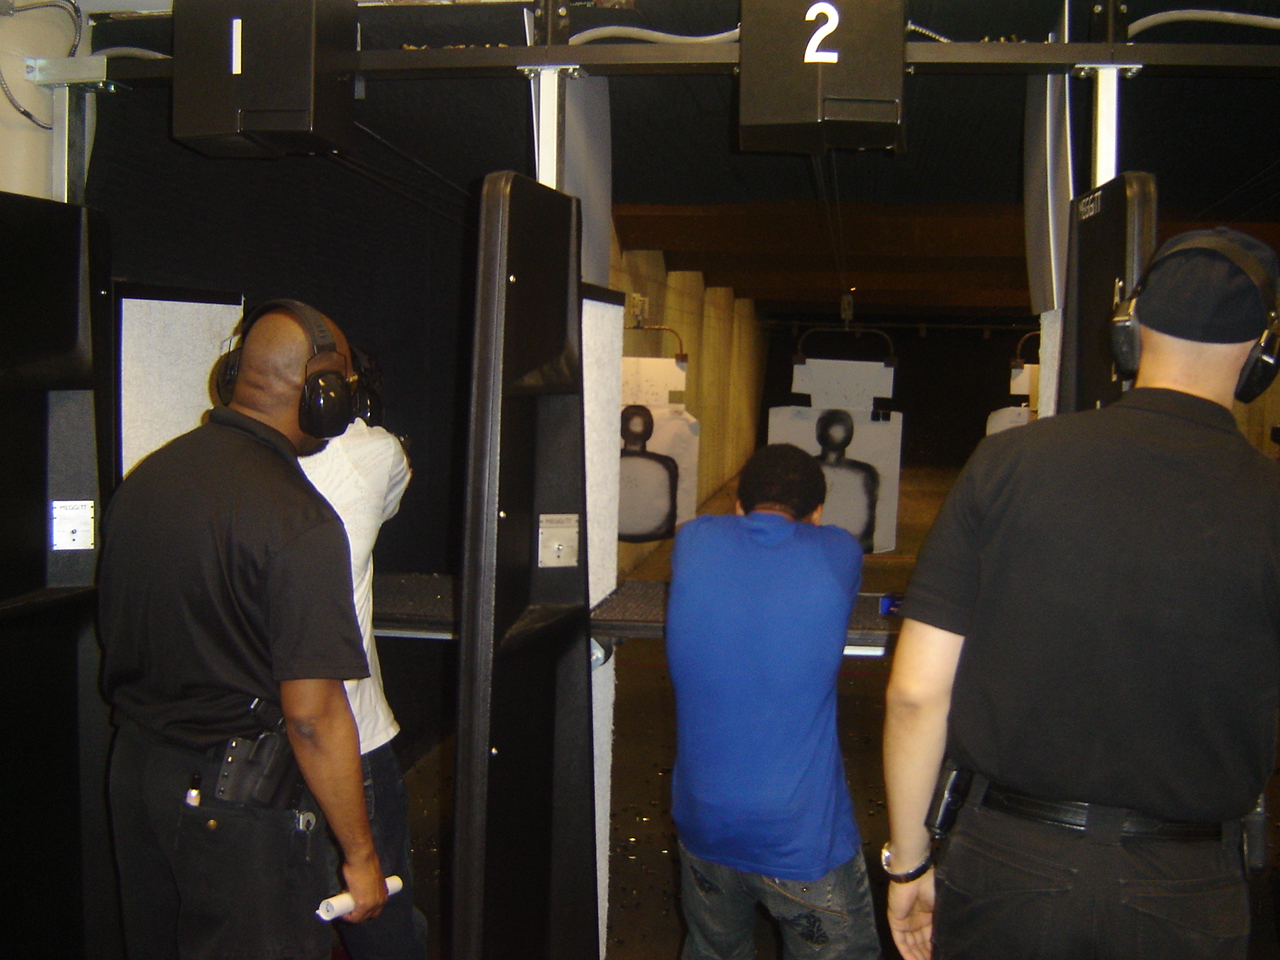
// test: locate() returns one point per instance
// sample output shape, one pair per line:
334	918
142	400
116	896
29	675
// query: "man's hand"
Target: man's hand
911	917
367	887
917	703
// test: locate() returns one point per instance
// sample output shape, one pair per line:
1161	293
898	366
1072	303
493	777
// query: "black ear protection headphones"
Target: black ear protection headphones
366	400
1259	369
325	408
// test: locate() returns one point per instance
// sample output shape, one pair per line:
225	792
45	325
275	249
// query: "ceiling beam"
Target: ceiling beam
659	59
900	260
978	230
906	260
991	57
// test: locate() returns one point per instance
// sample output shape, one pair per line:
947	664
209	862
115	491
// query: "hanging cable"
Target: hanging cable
1216	16
1263	202
397	186
835	231
1018	362
650	36
72	9
925	31
857	330
1203	16
404	155
841	261
13	101
136	53
1256	178
681	356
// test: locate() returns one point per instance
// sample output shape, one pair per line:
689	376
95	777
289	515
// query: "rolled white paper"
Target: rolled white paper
343	903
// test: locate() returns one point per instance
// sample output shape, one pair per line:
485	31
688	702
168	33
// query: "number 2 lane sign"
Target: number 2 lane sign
814	53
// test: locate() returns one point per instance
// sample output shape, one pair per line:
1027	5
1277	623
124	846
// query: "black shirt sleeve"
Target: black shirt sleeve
312	619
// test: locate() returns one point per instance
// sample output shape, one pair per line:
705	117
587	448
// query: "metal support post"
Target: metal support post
548	97
71	81
1106	124
69	157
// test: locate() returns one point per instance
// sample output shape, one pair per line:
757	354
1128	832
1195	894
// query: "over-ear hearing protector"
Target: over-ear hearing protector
325	408
1259	369
366	400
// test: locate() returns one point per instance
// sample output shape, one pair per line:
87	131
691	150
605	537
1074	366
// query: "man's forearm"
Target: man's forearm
917	703
914	742
324	738
327	745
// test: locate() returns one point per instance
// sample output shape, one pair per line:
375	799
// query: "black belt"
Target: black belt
1076	816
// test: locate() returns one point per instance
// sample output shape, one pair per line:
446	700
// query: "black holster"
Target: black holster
260	771
948	797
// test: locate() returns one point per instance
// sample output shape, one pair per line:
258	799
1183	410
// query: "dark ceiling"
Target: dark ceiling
935	230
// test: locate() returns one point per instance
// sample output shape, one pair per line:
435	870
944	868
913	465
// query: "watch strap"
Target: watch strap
915	873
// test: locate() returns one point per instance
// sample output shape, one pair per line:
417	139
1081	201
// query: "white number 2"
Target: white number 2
811	53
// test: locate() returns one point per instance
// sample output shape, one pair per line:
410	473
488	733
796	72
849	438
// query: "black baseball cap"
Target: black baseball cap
1201	294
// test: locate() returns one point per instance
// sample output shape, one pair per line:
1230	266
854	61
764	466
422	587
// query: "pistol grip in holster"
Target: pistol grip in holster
948	797
259	771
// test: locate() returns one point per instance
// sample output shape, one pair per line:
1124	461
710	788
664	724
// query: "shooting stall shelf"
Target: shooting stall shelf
422	606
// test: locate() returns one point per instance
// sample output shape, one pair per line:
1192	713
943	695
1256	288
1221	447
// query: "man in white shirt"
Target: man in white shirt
363	474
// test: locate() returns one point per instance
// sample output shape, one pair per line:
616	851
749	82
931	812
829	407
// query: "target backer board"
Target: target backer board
863	470
875	442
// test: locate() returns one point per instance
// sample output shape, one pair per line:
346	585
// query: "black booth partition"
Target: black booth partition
1112	236
54	298
525	859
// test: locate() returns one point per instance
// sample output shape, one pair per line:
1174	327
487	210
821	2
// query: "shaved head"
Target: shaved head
276	358
1208	370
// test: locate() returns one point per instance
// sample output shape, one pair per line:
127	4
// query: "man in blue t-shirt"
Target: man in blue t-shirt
756	624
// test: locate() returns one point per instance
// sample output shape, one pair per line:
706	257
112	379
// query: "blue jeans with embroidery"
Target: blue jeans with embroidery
826	919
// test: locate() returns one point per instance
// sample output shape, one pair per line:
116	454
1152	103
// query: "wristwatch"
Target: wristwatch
915	873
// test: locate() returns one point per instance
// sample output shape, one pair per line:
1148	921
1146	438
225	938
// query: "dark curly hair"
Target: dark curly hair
782	475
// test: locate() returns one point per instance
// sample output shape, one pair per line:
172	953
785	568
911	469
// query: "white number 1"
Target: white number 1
812	54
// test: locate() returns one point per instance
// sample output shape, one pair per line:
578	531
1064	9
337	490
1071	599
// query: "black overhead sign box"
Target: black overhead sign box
820	75
254	78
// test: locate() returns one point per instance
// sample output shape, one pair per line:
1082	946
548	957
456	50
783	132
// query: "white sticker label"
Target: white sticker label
237	46
558	539
73	524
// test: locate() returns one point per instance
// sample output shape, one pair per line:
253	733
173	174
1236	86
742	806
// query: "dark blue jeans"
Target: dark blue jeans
218	881
1015	889
825	919
400	931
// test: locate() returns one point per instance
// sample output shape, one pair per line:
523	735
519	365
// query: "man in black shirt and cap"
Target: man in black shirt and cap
1091	634
226	617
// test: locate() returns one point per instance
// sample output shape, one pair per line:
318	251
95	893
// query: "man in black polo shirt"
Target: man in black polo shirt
225	602
1092	632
